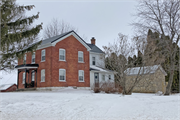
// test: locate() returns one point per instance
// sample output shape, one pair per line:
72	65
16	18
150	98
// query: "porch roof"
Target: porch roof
99	69
27	66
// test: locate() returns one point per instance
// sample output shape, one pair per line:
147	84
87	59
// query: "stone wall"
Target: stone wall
150	83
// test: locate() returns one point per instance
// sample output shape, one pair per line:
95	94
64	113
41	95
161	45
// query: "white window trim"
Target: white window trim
34	58
64	54
83	56
64	77
44	75
83	75
42	56
24	77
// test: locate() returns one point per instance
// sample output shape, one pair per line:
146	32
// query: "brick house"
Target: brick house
151	79
62	61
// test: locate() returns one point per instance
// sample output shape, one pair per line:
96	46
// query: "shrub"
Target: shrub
96	89
107	87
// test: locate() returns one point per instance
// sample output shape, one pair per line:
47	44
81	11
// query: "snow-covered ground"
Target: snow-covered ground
74	104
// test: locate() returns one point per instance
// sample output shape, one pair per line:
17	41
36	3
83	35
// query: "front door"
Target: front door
96	79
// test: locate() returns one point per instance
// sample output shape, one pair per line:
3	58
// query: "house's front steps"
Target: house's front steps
26	89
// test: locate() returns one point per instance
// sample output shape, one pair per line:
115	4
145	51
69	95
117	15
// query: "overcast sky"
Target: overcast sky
102	19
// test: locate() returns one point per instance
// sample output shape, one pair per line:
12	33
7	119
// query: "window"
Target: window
43	75
43	55
24	78
33	57
93	61
81	75
109	77
103	77
62	75
32	76
62	54
80	56
24	60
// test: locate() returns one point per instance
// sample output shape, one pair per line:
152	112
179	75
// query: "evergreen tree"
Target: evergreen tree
17	33
155	52
139	59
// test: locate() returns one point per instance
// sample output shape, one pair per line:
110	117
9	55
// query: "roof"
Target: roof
144	70
51	40
5	86
94	48
95	68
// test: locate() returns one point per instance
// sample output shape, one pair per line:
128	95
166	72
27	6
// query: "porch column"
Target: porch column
28	76
36	77
18	78
25	78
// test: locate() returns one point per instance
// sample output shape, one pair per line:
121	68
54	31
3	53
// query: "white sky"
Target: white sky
102	19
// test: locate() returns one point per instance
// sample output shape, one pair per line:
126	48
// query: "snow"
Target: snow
5	86
100	69
76	104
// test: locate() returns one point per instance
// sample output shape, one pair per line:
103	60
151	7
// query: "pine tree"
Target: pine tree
17	33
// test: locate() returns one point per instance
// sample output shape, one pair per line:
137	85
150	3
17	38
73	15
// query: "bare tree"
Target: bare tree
57	27
116	60
163	17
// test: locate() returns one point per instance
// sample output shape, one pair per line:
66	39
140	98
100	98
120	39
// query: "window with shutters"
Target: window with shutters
81	75
62	75
33	57
43	55
80	56
62	54
43	75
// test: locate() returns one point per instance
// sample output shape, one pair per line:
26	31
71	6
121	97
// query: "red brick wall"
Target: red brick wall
72	46
52	65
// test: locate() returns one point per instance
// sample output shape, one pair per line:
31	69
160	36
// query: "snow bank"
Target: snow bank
75	104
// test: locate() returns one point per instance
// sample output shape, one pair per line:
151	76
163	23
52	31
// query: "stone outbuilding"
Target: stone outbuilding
151	79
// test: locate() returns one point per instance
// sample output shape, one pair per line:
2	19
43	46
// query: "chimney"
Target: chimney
93	40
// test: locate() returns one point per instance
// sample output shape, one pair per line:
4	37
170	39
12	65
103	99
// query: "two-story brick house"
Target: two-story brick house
61	61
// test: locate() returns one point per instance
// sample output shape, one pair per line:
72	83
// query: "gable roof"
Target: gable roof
94	48
53	40
144	70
